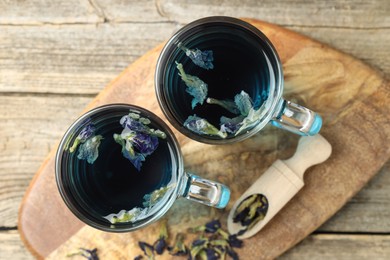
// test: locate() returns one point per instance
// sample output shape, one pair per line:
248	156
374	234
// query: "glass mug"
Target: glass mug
219	80
119	168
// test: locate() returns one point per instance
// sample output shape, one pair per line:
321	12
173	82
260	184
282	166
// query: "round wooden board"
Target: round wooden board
353	100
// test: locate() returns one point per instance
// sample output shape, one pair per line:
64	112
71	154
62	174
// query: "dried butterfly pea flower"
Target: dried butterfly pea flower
89	150
147	249
144	143
124	216
132	123
195	86
144	121
137	139
139	257
251	119
199	242
195	251
179	248
243	102
232	254
152	198
209	227
231	125
229	105
203	59
212	226
202	126
234	241
241	106
221	252
161	243
84	134
250	211
87	253
209	254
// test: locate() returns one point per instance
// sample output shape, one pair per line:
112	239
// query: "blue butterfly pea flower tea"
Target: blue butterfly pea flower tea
119	168
219	80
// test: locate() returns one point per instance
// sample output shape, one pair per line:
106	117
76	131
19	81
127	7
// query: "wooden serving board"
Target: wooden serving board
353	100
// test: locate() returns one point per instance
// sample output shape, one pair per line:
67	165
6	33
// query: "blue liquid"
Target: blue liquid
240	64
112	183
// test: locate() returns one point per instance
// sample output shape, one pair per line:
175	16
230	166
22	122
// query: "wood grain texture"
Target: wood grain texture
129	11
30	129
78	59
12	247
334	82
29	64
356	247
337	13
37	12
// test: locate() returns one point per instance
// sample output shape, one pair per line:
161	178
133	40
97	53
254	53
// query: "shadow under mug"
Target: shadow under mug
242	59
119	168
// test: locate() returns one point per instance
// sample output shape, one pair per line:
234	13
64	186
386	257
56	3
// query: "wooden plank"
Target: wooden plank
129	10
72	59
56	59
35	12
354	247
11	247
30	127
334	13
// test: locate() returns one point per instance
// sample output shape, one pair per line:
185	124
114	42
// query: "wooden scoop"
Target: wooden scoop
282	181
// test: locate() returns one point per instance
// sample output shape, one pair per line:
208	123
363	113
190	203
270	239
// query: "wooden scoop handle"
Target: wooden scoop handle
311	150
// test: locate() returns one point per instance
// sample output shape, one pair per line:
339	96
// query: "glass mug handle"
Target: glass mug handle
297	119
204	191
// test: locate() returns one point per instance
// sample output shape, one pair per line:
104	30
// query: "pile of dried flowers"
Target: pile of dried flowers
211	243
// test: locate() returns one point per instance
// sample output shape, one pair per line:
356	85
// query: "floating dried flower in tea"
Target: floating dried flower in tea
137	213
202	126
229	105
89	143
137	139
84	134
152	198
124	216
250	211
203	59
89	150
195	86
243	102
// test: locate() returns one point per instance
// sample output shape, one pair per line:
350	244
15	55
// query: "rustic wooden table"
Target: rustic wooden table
55	56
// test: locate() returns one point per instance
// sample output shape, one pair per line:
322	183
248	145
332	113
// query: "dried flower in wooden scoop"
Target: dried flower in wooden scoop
250	211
